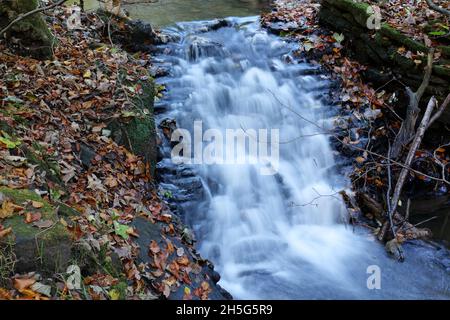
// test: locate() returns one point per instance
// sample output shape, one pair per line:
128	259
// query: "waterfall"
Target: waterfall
274	236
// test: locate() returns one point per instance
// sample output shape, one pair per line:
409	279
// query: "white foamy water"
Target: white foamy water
279	236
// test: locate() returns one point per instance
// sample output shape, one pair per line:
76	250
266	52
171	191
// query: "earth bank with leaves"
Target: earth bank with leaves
80	215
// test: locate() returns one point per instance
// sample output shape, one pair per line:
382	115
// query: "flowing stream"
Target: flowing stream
276	236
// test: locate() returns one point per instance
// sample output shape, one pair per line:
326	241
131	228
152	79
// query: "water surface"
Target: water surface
166	12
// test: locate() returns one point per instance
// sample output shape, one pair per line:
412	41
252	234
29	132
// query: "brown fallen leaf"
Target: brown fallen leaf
184	261
111	182
43	224
360	159
37	204
5	294
166	291
32	217
132	232
154	247
23	283
7	209
4	233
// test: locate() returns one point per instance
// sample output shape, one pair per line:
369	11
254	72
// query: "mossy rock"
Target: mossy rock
47	251
392	33
92	261
445	50
138	136
357	9
44	162
137	132
35	37
441	71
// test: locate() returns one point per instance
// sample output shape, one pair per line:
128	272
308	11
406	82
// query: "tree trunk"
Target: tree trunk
29	36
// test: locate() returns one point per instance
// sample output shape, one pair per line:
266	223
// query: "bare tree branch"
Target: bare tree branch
412	151
436	8
440	110
407	129
331	133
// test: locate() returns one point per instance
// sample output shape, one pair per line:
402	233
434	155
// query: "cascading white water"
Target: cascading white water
270	236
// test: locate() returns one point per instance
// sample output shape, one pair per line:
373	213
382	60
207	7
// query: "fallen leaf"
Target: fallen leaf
32	217
37	204
360	159
121	230
114	294
4	233
74	280
7	209
180	252
184	261
23	283
41	288
43	224
166	291
154	247
5	294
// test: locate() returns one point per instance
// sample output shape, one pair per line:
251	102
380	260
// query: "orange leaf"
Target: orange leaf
5	232
154	247
37	204
184	261
32	217
22	284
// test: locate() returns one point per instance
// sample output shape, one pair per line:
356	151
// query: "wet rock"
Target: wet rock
168	126
202	47
134	35
168	37
283	27
158	71
161	107
87	154
149	231
218	24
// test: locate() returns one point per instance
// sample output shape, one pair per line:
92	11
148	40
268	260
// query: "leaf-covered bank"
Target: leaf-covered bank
80	217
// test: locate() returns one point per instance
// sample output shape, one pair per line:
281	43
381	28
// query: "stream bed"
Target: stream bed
278	236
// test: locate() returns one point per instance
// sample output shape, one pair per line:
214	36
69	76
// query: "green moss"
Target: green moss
397	36
445	50
22	229
32	31
357	9
37	249
441	71
138	133
45	162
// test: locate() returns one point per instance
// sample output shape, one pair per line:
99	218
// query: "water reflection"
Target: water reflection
166	12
